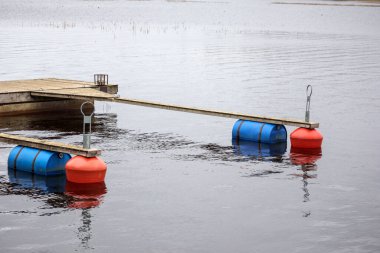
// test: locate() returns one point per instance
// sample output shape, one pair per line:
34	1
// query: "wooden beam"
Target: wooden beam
43	84
83	95
78	93
49	145
257	118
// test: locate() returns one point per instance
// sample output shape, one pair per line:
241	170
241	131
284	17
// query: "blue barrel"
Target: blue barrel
255	149
258	132
38	161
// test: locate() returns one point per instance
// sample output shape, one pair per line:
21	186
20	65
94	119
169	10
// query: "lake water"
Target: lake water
175	181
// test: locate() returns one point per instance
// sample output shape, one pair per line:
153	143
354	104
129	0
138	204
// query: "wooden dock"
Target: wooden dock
49	145
38	95
29	85
257	118
15	97
83	94
52	89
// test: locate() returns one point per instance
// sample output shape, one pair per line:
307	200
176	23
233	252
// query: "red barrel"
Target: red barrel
306	138
85	170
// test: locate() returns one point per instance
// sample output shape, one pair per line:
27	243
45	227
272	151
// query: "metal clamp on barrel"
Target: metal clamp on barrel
87	121
309	91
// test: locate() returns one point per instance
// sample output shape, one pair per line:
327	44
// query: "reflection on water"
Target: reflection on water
306	160
54	190
50	184
308	172
85	195
249	56
63	123
300	156
84	232
104	127
239	151
58	195
259	150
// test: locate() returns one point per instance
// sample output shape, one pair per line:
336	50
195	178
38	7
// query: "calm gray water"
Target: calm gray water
175	181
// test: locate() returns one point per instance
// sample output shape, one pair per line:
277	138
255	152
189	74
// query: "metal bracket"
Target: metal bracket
309	91
101	79
87	121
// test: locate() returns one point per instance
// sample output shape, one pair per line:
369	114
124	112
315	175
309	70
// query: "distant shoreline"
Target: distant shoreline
362	3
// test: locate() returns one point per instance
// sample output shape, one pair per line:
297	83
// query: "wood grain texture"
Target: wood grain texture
49	145
101	96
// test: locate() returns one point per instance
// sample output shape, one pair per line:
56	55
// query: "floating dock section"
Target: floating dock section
51	94
15	96
49	145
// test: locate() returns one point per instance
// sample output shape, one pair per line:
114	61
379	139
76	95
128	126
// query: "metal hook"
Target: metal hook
87	120
93	108
309	91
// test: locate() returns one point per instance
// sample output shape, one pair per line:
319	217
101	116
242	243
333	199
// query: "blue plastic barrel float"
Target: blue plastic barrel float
259	132
38	161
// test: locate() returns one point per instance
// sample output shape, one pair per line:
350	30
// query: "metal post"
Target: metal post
87	120
101	79
309	91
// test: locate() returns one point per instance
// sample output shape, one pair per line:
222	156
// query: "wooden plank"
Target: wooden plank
101	97
83	93
50	105
49	145
257	118
74	81
42	84
68	81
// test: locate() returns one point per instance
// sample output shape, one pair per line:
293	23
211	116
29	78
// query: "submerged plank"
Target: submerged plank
49	145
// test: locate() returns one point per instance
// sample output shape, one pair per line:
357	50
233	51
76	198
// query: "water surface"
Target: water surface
175	181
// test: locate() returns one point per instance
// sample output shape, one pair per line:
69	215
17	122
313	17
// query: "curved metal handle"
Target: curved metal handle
81	108
87	121
309	91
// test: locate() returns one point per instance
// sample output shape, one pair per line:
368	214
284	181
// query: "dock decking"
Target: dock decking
15	97
37	94
66	90
49	145
42	84
83	94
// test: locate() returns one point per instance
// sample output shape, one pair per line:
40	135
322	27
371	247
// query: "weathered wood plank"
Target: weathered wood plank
84	93
71	89
42	84
49	105
257	118
49	145
101	97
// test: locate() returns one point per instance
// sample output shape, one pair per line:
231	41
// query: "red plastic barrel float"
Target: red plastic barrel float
306	138
85	170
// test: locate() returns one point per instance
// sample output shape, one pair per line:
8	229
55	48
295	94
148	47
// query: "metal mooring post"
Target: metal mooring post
101	79
87	120
309	91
